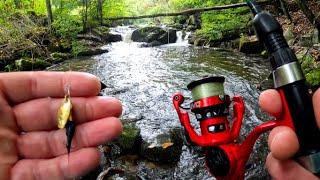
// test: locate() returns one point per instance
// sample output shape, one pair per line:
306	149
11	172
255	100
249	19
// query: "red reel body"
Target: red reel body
225	157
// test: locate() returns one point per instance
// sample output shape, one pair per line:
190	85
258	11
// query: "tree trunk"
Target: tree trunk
17	3
49	12
100	11
311	17
284	9
85	15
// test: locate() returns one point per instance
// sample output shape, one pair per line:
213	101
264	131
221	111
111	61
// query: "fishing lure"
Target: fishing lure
64	119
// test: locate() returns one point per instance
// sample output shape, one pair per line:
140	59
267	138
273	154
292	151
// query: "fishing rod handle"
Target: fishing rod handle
290	82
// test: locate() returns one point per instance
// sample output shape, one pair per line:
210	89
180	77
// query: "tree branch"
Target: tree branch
187	12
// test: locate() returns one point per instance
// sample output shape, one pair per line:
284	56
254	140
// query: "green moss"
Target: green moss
313	77
26	64
128	137
78	47
311	69
243	38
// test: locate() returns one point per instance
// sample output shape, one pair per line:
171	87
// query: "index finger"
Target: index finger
19	87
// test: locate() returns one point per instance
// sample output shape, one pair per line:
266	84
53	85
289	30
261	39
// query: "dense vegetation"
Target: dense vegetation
37	28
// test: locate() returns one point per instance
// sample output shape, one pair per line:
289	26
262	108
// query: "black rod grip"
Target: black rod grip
301	109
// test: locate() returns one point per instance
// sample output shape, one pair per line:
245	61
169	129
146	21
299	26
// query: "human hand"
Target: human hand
31	145
283	142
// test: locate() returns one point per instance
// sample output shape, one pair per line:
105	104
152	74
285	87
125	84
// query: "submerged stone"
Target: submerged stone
166	148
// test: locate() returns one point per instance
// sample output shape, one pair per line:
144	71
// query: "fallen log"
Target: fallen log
187	12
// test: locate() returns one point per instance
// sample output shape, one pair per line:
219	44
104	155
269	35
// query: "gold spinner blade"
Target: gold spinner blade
64	112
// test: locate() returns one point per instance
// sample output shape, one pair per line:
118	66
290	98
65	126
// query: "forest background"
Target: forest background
38	33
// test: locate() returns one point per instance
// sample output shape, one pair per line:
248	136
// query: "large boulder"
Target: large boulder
250	45
111	37
154	34
166	148
105	34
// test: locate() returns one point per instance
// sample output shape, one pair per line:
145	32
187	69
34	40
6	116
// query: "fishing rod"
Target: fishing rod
290	82
225	157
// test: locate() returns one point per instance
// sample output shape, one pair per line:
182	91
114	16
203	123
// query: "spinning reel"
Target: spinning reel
226	158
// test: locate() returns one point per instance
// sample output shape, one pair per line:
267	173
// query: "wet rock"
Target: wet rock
197	41
108	173
58	57
154	35
92	51
110	37
166	148
200	42
90	37
250	45
105	35
152	44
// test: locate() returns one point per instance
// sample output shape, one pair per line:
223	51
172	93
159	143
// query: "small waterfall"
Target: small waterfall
179	37
182	37
124	31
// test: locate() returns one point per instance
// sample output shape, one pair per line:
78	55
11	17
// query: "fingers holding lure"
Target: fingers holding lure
64	119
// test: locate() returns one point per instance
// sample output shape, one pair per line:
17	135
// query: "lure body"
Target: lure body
64	120
64	112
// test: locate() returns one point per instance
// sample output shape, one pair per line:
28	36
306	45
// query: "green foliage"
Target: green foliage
313	77
78	47
114	8
216	25
67	26
311	69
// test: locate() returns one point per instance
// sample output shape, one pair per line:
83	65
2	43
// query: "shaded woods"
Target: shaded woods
37	33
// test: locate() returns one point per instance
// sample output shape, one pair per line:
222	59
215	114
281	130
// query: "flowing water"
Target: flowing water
145	79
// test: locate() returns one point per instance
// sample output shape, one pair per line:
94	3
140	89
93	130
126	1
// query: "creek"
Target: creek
145	78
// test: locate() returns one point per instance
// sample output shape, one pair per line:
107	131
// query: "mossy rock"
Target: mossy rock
30	64
250	45
61	45
58	57
129	140
313	77
151	34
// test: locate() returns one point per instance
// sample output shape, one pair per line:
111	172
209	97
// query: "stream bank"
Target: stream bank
144	79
